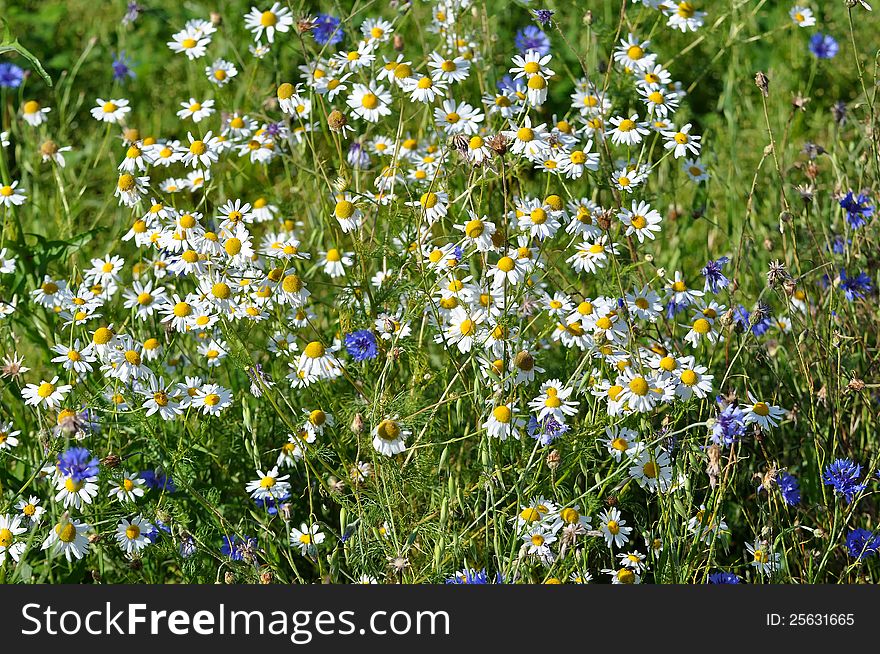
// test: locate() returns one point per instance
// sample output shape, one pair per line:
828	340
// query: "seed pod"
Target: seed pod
763	83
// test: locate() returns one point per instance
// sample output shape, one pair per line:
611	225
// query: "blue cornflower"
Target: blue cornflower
855	288
158	480
531	37
236	549
543	16
790	488
858	208
271	504
474	576
674	308
715	279
78	464
823	46
358	157
187	546
11	76
327	30
843	476
122	67
547	430
723	578
861	544
361	345
132	11
730	425
838	245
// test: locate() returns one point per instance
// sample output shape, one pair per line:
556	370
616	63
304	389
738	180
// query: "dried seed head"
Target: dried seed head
49	148
800	102
304	25
229	578
336	120
398	42
357	424
498	143
266	577
763	83
111	461
216	18
554	458
777	274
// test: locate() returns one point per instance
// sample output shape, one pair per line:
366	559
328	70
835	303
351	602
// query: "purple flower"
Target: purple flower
730	425
855	288
122	67
723	578
543	16
858	208
861	544
158	480
78	464
843	475
531	37
547	430
132	11
237	549
715	279
823	46
361	345
11	76
358	157
327	30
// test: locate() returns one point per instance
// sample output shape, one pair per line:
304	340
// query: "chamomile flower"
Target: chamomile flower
11	195
110	111
369	102
628	131
269	485
30	509
221	72
10	543
192	43
266	23
46	394
613	528
133	535
68	537
802	16
652	470
682	142
33	113
128	489
761	413
307	538
389	437
762	557
196	110
211	399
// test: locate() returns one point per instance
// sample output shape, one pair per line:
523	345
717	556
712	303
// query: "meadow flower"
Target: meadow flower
68	537
855	287
627	131
274	19
11	76
191	42
33	113
802	16
389	437
642	220
307	538
537	543
531	38
196	110
327	30
553	401
623	575
48	394
723	578
858	209
613	528
862	544
10	530
369	102
502	422
361	345
682	142
110	111
823	46
128	489
212	399
221	72
30	509
11	195
133	535
763	558
763	414
269	485
843	476
621	441
652	470
713	275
